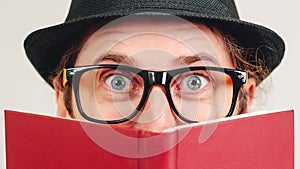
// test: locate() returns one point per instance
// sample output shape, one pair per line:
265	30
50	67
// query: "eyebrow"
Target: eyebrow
195	58
118	58
121	58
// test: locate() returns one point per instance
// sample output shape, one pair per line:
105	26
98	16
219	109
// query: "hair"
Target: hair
68	60
237	55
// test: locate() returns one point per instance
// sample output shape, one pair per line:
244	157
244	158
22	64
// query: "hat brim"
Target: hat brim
45	47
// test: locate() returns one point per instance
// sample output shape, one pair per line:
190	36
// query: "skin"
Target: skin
156	45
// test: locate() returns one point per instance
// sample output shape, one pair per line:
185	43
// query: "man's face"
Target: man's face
157	45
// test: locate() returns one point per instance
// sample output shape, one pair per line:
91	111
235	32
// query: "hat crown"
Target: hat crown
216	8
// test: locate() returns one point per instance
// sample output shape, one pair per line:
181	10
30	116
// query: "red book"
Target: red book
258	141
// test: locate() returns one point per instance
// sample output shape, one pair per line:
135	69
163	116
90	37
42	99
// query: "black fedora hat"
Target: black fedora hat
45	47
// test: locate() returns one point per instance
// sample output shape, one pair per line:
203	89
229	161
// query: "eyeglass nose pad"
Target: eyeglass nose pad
156	113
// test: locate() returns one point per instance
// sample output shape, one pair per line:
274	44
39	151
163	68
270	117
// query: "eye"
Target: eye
118	82
193	82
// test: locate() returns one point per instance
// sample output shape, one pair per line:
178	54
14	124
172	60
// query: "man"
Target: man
154	65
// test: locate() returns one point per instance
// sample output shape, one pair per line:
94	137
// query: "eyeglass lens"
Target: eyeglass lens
112	94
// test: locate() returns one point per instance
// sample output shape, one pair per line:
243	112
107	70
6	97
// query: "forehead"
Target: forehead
169	36
166	24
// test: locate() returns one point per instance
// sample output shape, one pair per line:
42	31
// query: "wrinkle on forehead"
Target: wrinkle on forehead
171	35
179	28
138	24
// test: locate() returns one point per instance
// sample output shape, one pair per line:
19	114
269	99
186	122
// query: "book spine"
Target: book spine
158	150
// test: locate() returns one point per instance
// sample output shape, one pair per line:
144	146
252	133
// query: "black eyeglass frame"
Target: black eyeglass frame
73	75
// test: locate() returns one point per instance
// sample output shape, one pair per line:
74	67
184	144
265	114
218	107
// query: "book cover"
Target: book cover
258	141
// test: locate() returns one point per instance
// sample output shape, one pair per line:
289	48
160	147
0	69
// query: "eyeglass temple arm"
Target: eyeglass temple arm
66	75
244	77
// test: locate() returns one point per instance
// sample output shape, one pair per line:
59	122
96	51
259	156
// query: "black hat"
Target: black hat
45	47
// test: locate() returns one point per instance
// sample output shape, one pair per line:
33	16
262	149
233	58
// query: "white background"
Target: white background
21	88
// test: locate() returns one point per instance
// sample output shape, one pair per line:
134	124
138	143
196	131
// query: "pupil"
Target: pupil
194	82
118	83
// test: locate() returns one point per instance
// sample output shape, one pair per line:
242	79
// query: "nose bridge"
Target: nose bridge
156	113
157	78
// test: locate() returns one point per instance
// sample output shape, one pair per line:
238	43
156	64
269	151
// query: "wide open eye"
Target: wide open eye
192	83
195	82
118	82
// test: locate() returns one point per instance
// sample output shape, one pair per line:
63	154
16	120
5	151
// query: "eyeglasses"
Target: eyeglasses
114	94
